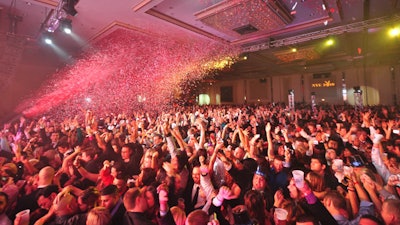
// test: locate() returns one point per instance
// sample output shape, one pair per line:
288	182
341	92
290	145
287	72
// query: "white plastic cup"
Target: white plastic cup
337	165
281	214
23	217
298	177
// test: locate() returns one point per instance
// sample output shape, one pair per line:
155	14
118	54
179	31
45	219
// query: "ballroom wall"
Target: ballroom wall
379	85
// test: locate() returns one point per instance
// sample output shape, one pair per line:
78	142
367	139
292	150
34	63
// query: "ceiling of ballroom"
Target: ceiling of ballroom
266	30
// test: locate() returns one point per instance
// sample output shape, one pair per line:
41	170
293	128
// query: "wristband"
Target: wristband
310	198
217	202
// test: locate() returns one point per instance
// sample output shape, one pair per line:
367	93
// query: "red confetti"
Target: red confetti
128	71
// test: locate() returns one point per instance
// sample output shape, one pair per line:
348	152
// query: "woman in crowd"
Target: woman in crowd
233	141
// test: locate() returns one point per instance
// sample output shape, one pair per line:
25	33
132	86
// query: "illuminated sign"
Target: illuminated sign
326	83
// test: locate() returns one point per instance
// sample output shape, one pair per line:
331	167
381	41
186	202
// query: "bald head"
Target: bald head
46	176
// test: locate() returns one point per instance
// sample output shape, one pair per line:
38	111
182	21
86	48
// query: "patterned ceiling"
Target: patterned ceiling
250	24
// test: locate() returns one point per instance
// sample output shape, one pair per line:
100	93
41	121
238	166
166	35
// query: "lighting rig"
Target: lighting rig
58	18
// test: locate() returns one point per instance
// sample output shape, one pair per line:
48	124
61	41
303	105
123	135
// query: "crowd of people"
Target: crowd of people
199	165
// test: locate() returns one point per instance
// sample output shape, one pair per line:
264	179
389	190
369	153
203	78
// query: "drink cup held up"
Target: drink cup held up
298	177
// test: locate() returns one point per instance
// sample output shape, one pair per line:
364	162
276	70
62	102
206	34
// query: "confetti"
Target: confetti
129	70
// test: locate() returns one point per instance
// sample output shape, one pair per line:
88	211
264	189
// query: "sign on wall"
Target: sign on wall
323	86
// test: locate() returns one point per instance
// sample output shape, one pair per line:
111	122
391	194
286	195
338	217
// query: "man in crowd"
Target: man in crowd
110	199
44	179
391	212
240	163
136	206
44	198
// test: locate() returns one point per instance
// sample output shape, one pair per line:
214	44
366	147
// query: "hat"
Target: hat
10	168
261	172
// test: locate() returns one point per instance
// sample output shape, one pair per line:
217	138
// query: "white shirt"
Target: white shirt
201	199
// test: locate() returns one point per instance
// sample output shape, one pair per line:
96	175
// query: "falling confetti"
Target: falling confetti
129	71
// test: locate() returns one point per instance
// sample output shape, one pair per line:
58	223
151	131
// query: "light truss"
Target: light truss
352	27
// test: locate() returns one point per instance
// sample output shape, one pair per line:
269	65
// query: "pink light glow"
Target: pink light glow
126	65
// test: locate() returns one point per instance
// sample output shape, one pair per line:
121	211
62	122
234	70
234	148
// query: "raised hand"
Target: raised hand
162	191
254	139
278	198
224	193
268	127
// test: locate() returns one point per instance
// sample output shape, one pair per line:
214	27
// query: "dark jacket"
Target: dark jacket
117	214
136	218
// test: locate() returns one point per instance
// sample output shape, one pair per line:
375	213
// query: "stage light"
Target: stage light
294	49
329	42
67	30
394	32
66	25
69	7
47	38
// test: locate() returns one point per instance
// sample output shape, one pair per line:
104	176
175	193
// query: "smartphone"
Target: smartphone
357	161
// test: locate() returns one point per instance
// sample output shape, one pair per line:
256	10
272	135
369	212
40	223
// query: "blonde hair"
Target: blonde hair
179	215
316	181
197	217
98	216
63	203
